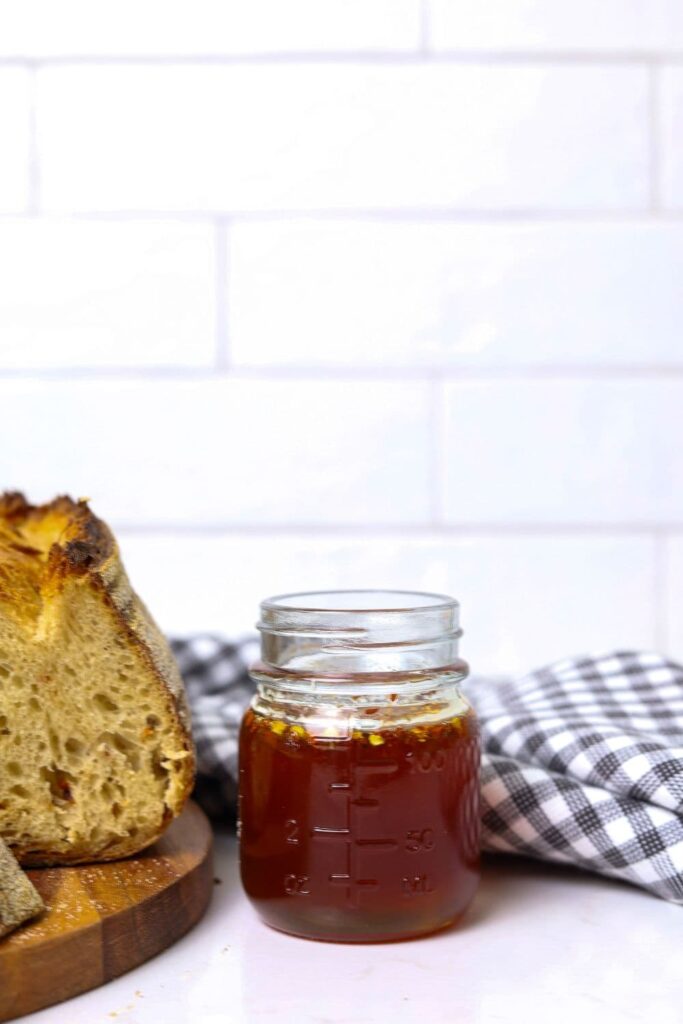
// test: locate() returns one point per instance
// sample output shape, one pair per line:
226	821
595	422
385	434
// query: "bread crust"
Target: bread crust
19	900
86	551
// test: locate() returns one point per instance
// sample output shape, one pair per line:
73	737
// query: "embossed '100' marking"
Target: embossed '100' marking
426	760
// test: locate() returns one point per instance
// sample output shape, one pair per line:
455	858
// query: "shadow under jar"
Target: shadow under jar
359	768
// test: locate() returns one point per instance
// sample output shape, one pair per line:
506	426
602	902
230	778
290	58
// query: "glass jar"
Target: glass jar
359	768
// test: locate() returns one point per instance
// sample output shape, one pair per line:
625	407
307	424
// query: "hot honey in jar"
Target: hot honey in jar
359	768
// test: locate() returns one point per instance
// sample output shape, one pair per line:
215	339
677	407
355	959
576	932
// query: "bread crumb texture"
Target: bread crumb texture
95	750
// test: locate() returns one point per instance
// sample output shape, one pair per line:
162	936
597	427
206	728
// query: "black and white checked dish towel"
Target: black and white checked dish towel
582	761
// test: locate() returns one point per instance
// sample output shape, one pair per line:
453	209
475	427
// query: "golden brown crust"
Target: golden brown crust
19	900
41	545
42	548
66	531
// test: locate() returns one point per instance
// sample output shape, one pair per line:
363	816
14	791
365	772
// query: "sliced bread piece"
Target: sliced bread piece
19	899
96	756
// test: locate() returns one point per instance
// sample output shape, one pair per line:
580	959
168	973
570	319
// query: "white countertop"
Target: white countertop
541	944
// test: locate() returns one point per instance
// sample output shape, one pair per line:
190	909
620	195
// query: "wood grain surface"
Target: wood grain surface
103	919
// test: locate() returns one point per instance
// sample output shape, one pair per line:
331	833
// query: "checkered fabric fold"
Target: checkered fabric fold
582	761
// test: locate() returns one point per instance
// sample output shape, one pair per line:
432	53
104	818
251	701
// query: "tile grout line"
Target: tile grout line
654	139
521	57
561	373
502	216
443	531
660	588
221	295
437	454
34	173
425	48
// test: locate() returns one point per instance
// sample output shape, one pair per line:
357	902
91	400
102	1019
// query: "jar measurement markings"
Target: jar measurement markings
351	790
351	882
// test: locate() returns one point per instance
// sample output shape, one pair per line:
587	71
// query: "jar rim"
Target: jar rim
328	632
358	601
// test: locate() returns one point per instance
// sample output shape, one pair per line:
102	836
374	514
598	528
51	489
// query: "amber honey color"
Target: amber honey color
368	836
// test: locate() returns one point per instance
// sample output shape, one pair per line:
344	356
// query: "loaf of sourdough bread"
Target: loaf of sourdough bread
96	756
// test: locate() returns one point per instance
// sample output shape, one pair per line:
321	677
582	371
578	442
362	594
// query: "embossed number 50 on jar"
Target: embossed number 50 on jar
359	768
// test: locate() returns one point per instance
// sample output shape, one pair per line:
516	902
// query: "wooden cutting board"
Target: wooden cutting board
104	919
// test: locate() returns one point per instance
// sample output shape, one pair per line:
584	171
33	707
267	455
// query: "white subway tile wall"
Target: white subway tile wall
269	137
15	133
40	28
583	452
671	129
87	294
539	26
673	595
340	293
227	451
455	295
